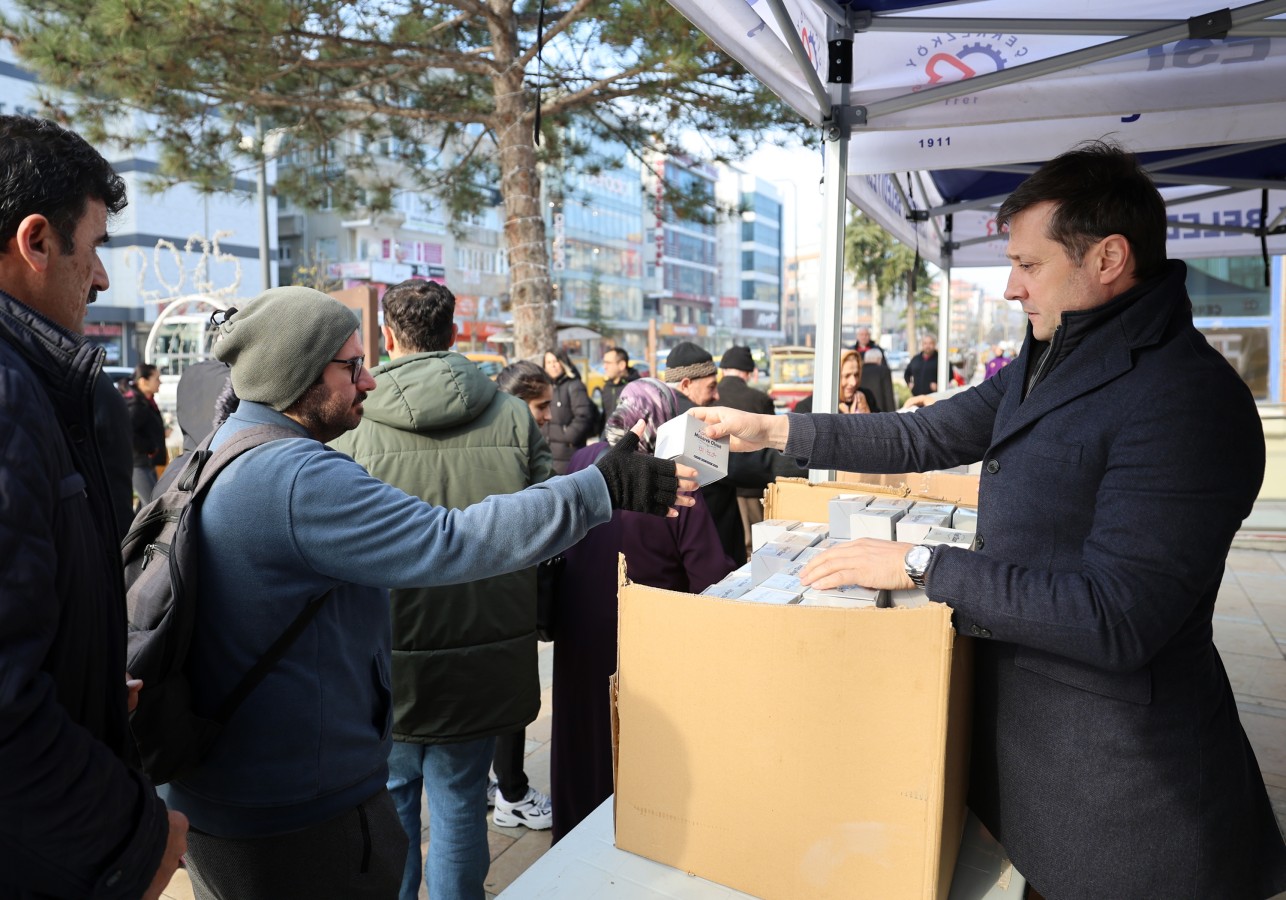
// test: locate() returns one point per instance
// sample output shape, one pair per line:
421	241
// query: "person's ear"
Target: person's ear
34	242
390	342
455	333
1114	259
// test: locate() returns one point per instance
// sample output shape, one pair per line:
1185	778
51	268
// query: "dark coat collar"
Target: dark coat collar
65	363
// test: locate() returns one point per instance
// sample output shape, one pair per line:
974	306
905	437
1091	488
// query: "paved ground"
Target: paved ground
1250	632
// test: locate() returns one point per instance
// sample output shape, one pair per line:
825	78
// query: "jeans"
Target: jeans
454	777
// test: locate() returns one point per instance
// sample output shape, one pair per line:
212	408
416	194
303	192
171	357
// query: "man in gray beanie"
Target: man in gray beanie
291	799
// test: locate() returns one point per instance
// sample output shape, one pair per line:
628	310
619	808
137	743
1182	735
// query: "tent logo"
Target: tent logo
954	57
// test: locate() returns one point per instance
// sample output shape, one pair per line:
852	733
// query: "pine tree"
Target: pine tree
459	86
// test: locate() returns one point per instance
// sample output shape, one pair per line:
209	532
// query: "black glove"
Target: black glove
636	482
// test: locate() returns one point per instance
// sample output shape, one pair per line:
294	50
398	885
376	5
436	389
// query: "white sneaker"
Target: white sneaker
533	810
493	788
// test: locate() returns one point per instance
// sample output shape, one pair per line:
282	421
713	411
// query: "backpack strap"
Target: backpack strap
197	477
270	658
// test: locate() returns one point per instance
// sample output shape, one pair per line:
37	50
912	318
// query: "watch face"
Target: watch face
918	557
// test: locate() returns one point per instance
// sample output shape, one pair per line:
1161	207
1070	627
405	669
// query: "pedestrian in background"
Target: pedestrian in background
148	426
922	371
572	414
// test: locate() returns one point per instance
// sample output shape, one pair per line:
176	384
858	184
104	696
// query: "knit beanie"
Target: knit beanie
280	341
738	358
687	360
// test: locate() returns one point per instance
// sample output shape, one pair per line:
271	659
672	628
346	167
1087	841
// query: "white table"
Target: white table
586	865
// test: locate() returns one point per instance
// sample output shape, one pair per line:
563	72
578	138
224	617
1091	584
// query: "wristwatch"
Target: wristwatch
917	561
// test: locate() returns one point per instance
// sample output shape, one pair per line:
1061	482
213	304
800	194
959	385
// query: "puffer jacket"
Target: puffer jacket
572	420
75	819
464	657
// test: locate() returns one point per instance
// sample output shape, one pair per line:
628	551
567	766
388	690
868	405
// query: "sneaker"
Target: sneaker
493	787
532	810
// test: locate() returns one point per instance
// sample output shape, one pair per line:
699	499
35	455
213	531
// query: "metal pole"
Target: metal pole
265	269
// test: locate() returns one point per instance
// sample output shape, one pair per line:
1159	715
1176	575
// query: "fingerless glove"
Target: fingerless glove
636	482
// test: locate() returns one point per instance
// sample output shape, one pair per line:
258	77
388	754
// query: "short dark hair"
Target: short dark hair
420	314
142	371
1098	189
621	353
47	170
524	379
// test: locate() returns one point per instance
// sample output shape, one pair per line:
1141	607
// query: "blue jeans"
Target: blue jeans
454	776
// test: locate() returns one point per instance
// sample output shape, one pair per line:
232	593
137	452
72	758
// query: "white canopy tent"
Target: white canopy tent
932	112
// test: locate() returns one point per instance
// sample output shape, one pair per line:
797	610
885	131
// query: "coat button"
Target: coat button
979	631
978	542
114	878
993	466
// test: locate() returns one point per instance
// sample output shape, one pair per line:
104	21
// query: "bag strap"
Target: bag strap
197	478
270	658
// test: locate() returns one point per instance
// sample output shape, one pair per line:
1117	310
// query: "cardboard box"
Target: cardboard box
771	696
766	698
683	440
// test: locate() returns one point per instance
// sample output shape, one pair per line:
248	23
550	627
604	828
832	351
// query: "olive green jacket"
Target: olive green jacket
464	657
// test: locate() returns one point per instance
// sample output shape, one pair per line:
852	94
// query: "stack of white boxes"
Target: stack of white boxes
782	547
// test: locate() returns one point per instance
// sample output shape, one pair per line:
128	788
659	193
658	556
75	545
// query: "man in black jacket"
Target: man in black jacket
75	819
617	373
922	371
738	368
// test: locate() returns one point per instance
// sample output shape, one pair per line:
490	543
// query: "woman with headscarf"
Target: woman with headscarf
680	554
572	414
853	398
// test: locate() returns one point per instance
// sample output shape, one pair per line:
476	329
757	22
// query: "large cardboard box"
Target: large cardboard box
792	751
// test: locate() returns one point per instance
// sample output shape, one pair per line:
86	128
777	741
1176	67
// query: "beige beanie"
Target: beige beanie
281	340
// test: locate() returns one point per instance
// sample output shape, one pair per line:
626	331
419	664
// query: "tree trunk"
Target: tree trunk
530	287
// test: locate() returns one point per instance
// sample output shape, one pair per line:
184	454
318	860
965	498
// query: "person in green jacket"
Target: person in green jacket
464	657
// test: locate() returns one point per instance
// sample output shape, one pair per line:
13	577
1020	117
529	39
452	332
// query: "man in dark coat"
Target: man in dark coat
1121	454
864	345
617	373
75	819
922	371
739	368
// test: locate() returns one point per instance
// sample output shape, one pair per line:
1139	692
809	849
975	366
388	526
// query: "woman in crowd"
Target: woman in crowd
148	429
529	383
853	398
572	412
681	554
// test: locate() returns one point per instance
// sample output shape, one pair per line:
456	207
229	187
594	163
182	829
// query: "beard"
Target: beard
326	415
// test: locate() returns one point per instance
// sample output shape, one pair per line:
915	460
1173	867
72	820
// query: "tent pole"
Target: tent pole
944	310
831	305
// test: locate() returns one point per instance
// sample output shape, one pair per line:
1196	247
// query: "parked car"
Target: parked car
489	363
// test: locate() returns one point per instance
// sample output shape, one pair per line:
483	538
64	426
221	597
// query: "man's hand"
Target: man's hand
869	562
645	484
748	431
133	686
176	844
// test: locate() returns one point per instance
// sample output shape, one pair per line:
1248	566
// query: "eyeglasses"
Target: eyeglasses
356	363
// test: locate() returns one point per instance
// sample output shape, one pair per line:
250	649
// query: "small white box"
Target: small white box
841	508
801	539
908	599
924	506
769	530
876	522
783	581
817	530
683	440
806	554
848	597
730	588
762	594
771	559
965	519
828	543
901	503
952	537
916	524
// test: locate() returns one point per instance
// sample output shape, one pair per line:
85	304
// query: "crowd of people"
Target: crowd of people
407	507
